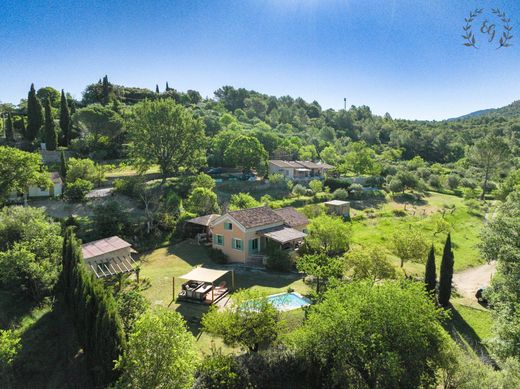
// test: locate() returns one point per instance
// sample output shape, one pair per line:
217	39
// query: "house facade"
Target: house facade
245	233
298	170
54	190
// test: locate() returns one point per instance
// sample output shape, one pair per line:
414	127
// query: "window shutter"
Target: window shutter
250	245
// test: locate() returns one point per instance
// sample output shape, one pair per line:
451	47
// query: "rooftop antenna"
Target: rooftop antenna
345	103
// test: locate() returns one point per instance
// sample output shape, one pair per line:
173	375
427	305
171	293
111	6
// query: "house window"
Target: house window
228	226
219	240
237	244
253	245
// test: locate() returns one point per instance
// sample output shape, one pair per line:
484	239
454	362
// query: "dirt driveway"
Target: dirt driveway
470	280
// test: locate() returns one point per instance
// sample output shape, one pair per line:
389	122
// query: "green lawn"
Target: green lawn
50	356
378	226
160	265
470	326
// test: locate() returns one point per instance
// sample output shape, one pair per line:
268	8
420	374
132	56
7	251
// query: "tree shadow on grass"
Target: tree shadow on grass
51	356
465	336
13	309
192	313
411	199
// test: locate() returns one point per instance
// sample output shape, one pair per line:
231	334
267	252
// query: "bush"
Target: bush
468	183
277	180
337	183
434	181
314	210
221	371
452	181
129	185
299	190
340	194
316	186
109	219
278	259
218	256
78	189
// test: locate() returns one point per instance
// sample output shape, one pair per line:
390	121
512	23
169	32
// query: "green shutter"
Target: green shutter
250	245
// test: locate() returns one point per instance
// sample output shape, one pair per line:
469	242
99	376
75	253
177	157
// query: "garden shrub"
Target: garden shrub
78	189
340	194
299	190
277	259
337	183
129	185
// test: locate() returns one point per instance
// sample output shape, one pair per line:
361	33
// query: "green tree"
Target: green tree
65	121
51	137
9	348
369	263
360	159
322	267
34	115
203	180
202	201
18	170
307	153
510	184
98	121
316	186
83	168
328	235
248	153
409	244
9	132
50	94
160	353
362	334
78	189
64	166
446	274
31	243
489	155
430	275
330	155
110	219
250	321
499	241
131	305
165	133
242	201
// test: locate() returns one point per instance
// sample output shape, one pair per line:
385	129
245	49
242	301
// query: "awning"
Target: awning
204	275
285	235
302	170
111	266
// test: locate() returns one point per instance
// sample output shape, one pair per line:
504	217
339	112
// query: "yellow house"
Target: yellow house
243	235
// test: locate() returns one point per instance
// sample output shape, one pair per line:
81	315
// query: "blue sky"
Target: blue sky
403	57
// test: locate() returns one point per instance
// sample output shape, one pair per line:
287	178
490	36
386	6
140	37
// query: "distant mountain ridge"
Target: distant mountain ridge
511	110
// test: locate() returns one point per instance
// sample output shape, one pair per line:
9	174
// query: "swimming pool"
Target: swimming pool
288	301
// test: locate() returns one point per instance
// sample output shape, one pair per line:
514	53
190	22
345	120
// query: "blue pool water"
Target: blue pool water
288	301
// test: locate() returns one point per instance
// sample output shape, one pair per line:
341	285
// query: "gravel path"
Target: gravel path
470	280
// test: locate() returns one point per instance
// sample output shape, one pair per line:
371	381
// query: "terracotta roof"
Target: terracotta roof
285	164
315	165
300	164
204	220
256	217
103	246
292	217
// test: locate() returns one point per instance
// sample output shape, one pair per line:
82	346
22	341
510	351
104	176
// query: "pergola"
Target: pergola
208	276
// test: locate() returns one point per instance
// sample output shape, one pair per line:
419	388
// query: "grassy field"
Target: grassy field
159	266
377	226
50	356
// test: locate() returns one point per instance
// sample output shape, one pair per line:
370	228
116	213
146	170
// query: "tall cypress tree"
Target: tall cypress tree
9	132
64	120
63	165
157	89
51	137
34	115
430	275
446	275
167	86
106	90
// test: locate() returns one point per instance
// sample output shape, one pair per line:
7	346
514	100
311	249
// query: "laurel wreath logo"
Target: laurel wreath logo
506	35
469	36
